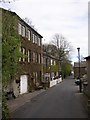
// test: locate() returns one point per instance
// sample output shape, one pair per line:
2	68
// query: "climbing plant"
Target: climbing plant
10	46
10	54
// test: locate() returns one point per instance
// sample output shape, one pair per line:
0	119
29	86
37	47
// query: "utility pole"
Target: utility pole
47	74
80	85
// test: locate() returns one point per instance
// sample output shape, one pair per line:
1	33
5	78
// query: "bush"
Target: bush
5	110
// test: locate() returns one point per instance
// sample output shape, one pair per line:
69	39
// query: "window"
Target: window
36	57
54	62
51	62
36	77
39	59
20	51
19	29
23	54
29	35
33	57
23	51
42	60
39	42
29	55
23	31
33	38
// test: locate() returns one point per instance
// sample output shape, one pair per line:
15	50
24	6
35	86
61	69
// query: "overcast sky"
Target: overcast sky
67	17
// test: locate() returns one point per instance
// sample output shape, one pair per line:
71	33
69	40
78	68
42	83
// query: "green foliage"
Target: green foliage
10	47
51	68
0	23
60	48
54	68
10	54
66	69
5	110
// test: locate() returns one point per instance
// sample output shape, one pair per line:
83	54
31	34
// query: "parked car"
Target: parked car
77	81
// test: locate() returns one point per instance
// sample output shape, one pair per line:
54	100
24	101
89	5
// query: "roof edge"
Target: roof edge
88	57
22	20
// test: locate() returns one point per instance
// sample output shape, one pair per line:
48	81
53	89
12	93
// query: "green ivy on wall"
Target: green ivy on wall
10	47
10	54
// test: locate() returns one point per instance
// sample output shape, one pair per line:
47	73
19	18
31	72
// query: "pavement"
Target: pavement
14	104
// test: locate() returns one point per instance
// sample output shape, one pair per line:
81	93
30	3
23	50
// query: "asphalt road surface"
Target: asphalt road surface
60	101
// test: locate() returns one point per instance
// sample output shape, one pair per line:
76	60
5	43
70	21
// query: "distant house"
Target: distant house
30	74
83	69
50	66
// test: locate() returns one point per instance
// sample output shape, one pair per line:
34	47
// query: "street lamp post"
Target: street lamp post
80	85
47	78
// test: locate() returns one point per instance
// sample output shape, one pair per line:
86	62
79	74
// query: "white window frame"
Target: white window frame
29	35
34	55
28	56
54	62
42	60
23	31
39	60
23	54
19	28
33	38
20	51
39	42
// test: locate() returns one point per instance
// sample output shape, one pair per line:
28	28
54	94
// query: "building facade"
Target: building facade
50	66
83	69
29	76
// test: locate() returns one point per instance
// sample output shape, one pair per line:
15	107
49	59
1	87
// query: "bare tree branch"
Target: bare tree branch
29	22
63	46
8	1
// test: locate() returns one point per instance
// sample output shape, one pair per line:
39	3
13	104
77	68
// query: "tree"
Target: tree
60	48
50	49
63	46
10	54
66	69
10	47
29	22
63	50
7	1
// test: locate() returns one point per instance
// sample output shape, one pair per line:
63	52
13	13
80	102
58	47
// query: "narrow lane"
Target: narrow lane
60	101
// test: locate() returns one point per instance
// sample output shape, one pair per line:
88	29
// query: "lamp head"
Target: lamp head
78	48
